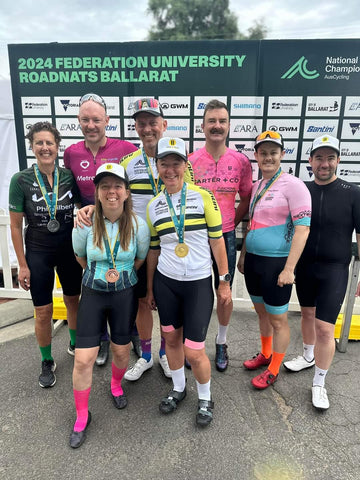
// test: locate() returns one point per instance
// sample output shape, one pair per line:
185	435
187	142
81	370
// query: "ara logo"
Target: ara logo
301	67
84	164
354	127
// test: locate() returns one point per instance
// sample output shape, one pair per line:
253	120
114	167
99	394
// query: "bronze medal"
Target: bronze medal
112	275
181	249
53	225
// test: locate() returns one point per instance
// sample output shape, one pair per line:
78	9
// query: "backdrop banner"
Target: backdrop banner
300	88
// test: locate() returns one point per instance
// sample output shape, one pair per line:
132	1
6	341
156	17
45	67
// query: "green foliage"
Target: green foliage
196	20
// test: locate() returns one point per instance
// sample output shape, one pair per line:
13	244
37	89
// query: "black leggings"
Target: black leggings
96	307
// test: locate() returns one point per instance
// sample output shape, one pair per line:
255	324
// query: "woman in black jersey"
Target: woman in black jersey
45	195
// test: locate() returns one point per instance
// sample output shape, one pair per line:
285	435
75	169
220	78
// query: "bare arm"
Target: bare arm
83	216
138	263
82	261
151	263
219	251
287	276
16	228
242	209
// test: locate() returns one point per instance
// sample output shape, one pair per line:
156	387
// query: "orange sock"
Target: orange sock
266	346
276	360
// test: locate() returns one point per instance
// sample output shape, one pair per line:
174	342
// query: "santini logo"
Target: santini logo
301	67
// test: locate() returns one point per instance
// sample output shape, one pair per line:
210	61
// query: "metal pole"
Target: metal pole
341	344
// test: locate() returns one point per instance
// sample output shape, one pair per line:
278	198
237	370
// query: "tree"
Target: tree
195	20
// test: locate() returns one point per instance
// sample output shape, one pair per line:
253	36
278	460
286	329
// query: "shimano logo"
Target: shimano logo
247	105
177	128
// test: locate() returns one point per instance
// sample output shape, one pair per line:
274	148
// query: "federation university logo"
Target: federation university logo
301	67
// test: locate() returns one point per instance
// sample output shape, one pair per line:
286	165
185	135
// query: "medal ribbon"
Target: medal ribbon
111	253
51	205
258	195
155	183
179	224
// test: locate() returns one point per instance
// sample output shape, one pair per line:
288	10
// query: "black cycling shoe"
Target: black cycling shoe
78	438
204	415
169	404
120	401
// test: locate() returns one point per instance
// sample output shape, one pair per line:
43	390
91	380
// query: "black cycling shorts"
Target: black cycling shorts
141	286
42	265
184	304
261	276
97	307
322	285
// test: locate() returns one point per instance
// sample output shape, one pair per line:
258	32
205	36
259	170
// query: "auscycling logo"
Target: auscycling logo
301	67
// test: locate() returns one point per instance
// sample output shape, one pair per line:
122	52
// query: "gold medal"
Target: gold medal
112	275
181	249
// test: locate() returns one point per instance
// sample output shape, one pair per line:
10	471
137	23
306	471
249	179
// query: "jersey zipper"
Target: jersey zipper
320	223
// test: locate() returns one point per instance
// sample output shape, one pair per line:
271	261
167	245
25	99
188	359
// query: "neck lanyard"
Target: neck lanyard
258	195
111	253
51	205
179	224
155	183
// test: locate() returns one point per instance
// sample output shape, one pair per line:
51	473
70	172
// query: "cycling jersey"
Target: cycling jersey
285	204
335	215
97	261
202	221
81	161
25	196
230	175
140	184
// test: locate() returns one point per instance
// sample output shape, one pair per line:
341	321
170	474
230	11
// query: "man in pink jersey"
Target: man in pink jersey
226	173
85	157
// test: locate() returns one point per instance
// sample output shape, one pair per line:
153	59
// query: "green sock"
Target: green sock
46	353
72	336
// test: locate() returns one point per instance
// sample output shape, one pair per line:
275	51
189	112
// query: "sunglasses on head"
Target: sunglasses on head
94	97
269	134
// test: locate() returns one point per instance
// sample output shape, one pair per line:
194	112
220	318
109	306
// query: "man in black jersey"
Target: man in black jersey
322	271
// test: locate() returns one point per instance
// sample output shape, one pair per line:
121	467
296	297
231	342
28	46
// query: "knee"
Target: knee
195	357
71	301
325	335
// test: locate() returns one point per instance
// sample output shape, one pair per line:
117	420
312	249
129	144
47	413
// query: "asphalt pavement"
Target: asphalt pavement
271	434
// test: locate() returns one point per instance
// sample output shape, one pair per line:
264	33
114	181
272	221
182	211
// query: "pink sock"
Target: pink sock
117	376
81	398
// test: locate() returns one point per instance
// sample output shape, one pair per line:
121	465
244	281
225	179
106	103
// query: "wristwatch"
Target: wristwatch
225	278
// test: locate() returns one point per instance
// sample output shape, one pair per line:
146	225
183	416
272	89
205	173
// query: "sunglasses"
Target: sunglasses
269	134
94	97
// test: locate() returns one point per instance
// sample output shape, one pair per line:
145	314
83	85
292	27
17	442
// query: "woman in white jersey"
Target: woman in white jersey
185	222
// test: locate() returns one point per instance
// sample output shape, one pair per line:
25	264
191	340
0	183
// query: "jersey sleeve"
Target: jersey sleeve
154	237
356	208
299	200
189	174
142	238
246	178
16	195
79	240
212	214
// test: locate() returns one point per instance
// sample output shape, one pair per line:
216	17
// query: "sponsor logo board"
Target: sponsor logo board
245	128
36	105
284	106
200	103
178	127
351	129
315	128
289	128
323	106
175	106
247	106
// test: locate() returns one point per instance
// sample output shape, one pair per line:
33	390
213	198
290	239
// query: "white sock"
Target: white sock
204	390
308	352
221	336
319	377
178	378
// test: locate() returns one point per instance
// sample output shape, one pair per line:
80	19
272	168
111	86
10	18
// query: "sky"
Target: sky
72	21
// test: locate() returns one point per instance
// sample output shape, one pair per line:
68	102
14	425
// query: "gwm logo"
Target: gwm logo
301	67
